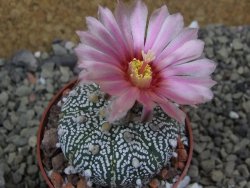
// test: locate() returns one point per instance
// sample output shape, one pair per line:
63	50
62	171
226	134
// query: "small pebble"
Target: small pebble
233	115
32	141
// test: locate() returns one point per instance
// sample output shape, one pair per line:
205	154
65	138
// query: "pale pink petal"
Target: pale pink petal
185	35
99	67
138	19
116	87
109	21
148	106
145	99
173	111
187	90
121	105
147	114
83	64
205	81
168	107
191	50
90	40
99	76
97	29
170	28
201	67
122	16
155	23
98	72
87	53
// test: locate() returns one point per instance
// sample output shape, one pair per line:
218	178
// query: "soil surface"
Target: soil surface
33	24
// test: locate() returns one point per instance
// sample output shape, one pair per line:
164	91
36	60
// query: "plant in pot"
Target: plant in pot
120	124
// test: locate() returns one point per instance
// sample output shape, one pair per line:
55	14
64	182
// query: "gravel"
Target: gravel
223	161
3	98
220	128
217	175
27	83
25	59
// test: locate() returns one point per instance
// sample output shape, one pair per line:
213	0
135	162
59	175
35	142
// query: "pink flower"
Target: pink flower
156	65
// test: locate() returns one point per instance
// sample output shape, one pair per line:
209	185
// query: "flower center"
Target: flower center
140	72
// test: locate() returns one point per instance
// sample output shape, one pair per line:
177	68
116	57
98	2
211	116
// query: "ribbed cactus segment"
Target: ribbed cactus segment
113	155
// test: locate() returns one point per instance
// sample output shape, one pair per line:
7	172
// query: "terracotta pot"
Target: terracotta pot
44	121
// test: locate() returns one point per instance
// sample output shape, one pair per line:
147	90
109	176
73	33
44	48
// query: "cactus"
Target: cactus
127	153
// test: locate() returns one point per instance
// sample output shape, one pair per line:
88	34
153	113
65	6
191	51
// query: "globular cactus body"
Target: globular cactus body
124	154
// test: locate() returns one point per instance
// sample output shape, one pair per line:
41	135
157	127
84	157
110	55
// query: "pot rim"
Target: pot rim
44	120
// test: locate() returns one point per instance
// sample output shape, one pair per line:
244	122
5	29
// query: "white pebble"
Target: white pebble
173	143
42	81
59	104
194	185
70	170
69	45
184	183
58	145
64	99
37	54
233	115
168	185
185	143
49	173
32	141
89	183
175	154
194	24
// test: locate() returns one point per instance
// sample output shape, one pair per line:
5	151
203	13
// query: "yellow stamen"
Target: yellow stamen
140	73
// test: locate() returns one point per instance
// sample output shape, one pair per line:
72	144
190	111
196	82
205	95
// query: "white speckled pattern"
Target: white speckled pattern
121	156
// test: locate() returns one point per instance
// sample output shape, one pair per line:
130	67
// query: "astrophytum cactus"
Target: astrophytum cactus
125	154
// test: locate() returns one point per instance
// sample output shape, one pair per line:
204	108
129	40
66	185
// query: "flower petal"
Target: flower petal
115	88
87	53
90	40
201	67
191	50
100	67
168	107
156	20
121	105
170	28
186	34
103	76
122	16
148	106
138	19
173	111
187	90
147	114
109	21
101	33
99	72
145	99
